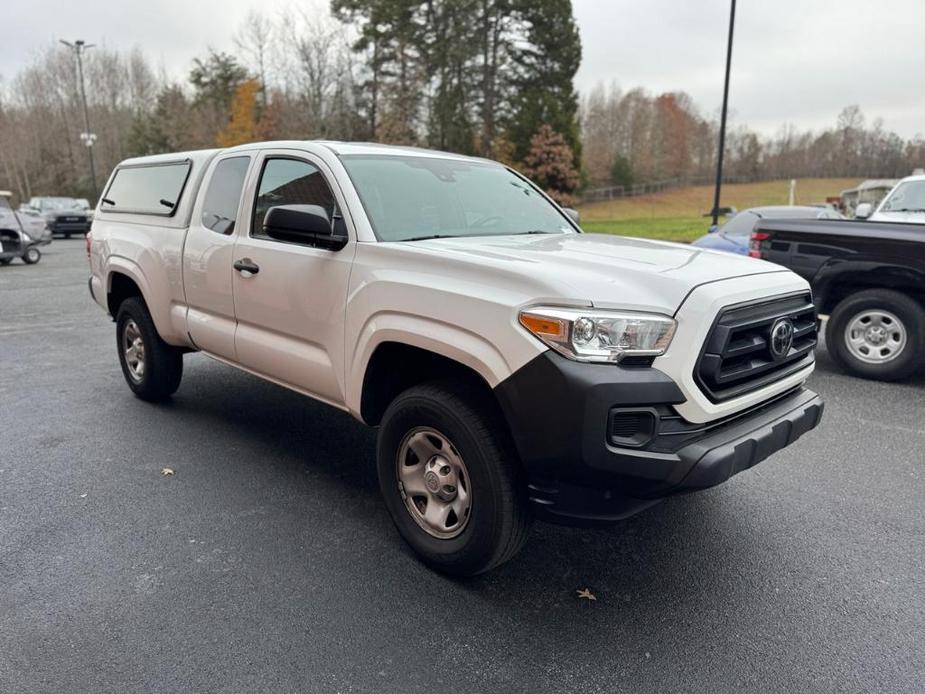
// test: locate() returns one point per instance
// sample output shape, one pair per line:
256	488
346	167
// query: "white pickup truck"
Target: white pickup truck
904	203
515	366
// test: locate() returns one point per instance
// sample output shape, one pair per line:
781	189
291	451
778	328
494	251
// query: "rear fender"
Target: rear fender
169	319
859	274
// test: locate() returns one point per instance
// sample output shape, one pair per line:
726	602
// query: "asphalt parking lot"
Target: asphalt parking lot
268	563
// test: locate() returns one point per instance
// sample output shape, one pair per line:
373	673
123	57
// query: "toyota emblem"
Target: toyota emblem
781	338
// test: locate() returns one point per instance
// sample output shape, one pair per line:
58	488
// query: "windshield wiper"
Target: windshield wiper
108	201
432	236
534	231
907	209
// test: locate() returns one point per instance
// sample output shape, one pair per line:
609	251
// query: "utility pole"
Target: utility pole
87	137
722	121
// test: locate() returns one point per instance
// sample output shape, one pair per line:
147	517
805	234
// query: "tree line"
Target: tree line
493	78
635	137
485	77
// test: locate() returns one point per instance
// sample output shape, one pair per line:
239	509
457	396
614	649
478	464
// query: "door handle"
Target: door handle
246	265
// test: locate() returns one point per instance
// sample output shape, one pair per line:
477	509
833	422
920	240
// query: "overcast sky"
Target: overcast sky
794	61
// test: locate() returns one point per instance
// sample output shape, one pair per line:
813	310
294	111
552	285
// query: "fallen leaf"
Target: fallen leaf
167	471
585	594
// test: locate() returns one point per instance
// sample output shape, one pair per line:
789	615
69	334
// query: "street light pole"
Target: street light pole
87	137
722	121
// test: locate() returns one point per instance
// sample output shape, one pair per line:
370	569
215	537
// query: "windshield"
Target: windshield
58	204
408	197
908	197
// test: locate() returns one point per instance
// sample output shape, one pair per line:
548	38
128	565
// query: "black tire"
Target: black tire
163	363
31	256
910	359
499	520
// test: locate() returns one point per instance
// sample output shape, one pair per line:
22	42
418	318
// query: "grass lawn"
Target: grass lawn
677	215
663	228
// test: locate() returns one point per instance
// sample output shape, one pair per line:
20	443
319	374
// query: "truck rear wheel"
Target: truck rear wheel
450	479
151	367
878	334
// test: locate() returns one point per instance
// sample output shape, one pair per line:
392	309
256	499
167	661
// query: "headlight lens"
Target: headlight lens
599	336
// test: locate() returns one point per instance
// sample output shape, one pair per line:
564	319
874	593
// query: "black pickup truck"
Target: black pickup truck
868	277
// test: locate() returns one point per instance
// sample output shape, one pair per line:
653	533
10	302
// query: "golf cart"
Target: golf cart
20	235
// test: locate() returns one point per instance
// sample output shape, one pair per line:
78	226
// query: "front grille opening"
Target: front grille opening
742	355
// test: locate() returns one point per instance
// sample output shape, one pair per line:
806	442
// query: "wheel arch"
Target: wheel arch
119	287
394	366
837	281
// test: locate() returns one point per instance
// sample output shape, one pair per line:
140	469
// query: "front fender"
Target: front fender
452	341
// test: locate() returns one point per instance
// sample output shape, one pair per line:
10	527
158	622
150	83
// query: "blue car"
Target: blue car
733	236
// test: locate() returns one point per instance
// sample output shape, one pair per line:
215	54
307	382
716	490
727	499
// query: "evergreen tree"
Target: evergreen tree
216	78
390	39
545	91
621	173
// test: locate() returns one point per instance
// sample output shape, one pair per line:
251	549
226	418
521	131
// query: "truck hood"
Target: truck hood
604	270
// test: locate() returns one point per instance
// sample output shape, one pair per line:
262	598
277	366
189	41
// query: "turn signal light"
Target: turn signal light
541	325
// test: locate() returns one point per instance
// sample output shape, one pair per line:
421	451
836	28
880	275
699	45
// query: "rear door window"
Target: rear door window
147	189
220	207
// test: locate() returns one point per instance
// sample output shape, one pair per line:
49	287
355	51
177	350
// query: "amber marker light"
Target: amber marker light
543	325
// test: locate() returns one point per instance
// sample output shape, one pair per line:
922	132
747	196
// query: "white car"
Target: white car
905	203
514	366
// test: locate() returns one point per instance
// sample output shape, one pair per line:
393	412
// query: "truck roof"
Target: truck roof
347	148
201	156
196	156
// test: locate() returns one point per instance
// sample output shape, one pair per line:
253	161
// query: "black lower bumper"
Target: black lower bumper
69	227
561	416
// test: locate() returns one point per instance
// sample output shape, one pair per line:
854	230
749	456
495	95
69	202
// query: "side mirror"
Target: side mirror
306	224
863	211
713	229
572	214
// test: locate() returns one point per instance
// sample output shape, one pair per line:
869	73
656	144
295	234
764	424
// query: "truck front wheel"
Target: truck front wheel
151	367
450	479
878	334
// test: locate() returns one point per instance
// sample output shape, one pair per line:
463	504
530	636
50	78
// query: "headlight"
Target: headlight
26	237
598	335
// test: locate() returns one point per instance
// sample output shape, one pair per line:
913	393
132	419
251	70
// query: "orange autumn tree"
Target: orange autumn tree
550	164
242	126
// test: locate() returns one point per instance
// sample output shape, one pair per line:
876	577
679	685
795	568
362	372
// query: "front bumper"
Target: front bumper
560	412
62	227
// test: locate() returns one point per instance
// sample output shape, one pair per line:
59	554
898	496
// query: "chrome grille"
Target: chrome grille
739	355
